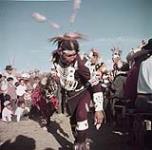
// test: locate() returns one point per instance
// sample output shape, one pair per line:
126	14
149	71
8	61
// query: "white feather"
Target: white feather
54	25
38	17
77	4
73	16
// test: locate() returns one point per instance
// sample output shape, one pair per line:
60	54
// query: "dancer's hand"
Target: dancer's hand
98	119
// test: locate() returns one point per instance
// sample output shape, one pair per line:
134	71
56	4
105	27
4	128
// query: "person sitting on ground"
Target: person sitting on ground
21	110
7	112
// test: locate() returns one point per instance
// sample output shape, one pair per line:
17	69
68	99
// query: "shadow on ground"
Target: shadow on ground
60	135
21	143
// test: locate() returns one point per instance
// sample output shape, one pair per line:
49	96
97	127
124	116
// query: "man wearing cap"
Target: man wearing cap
73	77
9	72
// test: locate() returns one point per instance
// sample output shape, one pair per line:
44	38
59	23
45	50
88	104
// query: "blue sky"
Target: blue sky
107	23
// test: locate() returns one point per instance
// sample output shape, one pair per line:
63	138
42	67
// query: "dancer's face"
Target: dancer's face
69	56
94	59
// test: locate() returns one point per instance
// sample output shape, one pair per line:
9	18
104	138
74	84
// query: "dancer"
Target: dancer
75	79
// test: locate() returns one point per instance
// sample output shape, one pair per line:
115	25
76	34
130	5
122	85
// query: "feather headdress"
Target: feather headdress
68	41
116	52
67	36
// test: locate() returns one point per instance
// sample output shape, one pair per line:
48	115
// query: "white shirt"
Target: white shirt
144	84
19	112
7	114
20	90
4	86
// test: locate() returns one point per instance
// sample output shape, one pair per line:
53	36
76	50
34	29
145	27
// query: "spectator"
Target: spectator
36	82
9	72
21	89
21	110
7	112
144	85
11	91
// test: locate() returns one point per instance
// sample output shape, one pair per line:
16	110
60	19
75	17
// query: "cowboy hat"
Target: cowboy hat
8	67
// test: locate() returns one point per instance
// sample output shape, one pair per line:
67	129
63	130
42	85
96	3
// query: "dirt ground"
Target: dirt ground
28	135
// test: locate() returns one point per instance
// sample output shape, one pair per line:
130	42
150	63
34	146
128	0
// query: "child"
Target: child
21	110
7	112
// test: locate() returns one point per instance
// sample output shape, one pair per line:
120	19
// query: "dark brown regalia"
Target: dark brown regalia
74	79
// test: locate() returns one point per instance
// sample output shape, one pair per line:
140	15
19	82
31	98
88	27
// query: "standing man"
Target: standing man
74	78
144	85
